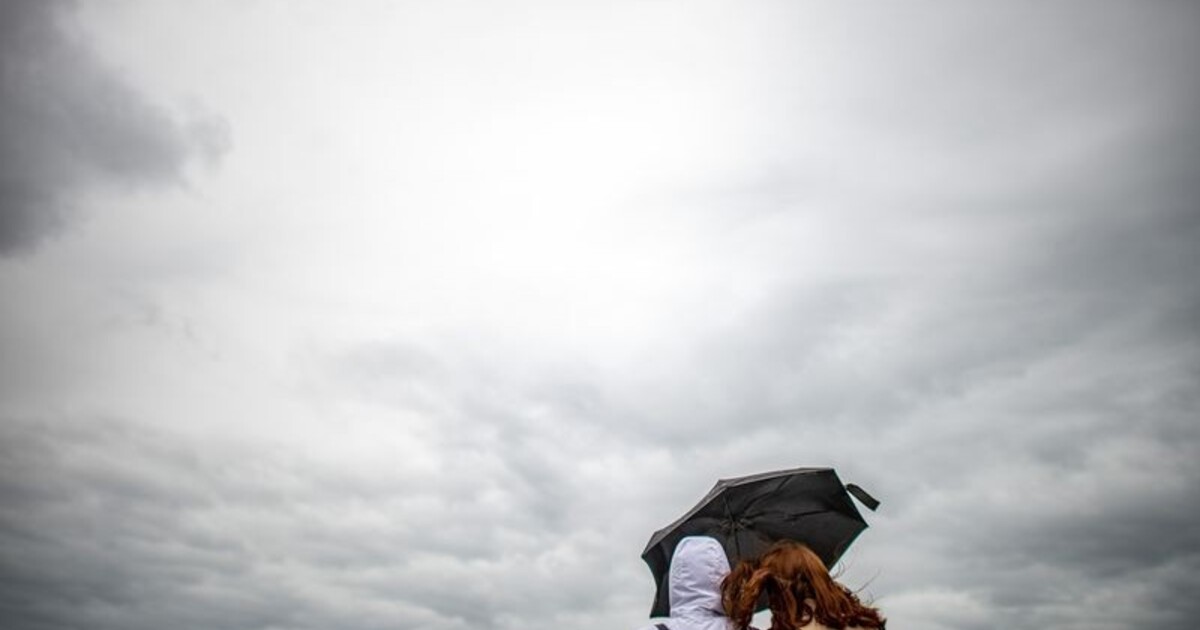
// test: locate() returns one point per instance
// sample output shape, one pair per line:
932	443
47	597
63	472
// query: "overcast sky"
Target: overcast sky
426	315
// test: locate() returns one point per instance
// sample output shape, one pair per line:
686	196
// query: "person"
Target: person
694	578
799	591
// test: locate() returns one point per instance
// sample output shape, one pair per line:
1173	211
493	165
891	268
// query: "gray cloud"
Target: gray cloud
112	525
70	124
965	280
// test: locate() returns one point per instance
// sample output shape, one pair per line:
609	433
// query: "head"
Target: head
697	568
798	588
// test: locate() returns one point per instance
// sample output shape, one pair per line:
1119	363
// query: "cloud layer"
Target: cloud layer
70	123
483	298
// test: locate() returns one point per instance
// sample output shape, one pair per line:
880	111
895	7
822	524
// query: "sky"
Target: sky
428	314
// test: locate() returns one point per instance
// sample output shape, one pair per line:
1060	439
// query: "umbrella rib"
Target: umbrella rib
733	527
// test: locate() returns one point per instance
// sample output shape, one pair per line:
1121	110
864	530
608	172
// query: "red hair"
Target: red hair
799	589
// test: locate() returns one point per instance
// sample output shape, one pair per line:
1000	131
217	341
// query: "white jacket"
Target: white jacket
694	586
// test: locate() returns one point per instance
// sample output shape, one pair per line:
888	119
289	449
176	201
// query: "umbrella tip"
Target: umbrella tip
867	500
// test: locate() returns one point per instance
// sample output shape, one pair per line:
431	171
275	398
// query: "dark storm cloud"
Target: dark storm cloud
68	123
105	524
108	526
95	521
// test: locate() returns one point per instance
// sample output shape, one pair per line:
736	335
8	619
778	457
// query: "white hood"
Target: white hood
694	586
697	568
694	582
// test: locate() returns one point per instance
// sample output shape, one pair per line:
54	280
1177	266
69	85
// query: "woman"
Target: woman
800	592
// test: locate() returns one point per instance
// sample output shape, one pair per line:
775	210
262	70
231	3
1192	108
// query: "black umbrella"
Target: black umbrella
747	514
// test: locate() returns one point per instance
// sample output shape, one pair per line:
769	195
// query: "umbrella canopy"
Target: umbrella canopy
748	514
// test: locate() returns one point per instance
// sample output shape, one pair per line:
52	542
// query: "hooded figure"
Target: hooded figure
694	586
